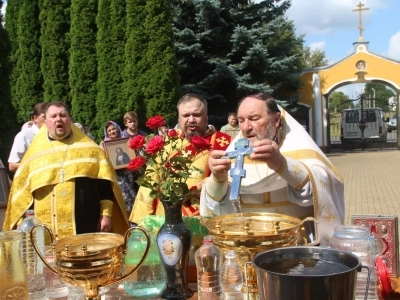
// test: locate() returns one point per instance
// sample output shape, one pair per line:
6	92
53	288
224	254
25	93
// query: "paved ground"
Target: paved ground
371	180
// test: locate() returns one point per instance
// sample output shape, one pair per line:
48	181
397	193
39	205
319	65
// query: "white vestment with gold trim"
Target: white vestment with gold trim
307	184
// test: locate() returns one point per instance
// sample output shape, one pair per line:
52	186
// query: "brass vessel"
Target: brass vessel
251	233
90	260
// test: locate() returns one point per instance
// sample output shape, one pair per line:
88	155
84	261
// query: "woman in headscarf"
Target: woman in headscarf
126	178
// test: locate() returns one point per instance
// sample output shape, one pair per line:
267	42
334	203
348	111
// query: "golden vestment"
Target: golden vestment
145	205
37	181
306	185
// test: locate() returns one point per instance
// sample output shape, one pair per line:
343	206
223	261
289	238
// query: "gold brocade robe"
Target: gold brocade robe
38	181
145	205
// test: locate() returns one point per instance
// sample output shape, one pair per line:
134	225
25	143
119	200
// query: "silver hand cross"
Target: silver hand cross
237	172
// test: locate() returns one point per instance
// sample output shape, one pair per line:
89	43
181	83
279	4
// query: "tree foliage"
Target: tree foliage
83	60
110	47
382	95
30	80
339	101
313	58
160	81
8	126
136	41
12	17
229	49
55	25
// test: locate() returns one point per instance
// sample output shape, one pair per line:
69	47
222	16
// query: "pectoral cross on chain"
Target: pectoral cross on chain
61	173
237	172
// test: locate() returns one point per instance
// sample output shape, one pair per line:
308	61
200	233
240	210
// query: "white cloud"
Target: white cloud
318	45
394	49
3	8
311	16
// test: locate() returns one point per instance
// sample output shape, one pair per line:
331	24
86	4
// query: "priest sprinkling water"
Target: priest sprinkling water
285	171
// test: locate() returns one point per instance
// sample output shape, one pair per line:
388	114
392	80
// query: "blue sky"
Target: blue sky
331	25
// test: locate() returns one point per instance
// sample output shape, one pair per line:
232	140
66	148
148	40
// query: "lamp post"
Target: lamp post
374	96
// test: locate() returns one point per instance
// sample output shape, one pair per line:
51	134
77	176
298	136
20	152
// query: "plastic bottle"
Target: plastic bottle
33	264
208	263
55	287
231	277
357	239
150	279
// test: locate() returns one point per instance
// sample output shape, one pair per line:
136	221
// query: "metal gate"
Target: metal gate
335	134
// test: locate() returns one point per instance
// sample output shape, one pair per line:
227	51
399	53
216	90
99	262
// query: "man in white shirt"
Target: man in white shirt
24	138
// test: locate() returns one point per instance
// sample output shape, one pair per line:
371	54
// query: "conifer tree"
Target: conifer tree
55	25
160	80
30	81
136	41
227	49
8	124
12	12
110	48
83	60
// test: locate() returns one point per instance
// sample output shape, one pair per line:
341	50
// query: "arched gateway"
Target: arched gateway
362	66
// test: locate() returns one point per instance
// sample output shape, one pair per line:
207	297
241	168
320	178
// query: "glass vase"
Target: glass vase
173	241
14	285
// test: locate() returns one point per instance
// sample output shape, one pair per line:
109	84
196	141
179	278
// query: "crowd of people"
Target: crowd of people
75	187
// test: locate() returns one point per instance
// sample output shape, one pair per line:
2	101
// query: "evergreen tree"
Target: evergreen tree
110	48
135	48
8	126
12	13
83	60
160	81
30	81
55	25
231	48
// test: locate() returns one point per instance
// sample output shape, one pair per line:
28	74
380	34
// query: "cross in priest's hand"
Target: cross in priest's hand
237	172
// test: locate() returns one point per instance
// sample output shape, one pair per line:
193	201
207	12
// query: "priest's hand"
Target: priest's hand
219	167
267	151
105	224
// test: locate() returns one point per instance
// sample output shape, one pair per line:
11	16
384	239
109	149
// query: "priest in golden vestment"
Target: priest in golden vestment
192	120
286	172
68	180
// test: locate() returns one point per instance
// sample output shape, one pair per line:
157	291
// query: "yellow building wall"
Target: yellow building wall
344	72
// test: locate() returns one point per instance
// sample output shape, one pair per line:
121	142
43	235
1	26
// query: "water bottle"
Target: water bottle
231	277
33	264
208	263
150	279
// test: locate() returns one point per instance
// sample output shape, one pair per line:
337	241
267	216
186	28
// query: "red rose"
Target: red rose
155	122
172	133
155	144
200	143
136	163
137	142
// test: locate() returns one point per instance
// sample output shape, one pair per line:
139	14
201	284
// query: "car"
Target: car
392	124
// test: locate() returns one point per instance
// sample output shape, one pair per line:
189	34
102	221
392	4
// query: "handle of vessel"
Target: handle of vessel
32	236
126	237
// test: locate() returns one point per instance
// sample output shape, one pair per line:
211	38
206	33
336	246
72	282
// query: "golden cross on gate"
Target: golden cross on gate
360	9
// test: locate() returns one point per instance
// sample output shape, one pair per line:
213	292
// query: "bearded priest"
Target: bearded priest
192	121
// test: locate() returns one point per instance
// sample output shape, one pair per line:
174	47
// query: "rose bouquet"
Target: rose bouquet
168	160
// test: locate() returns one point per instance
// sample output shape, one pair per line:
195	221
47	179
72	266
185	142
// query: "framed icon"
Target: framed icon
118	152
4	187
